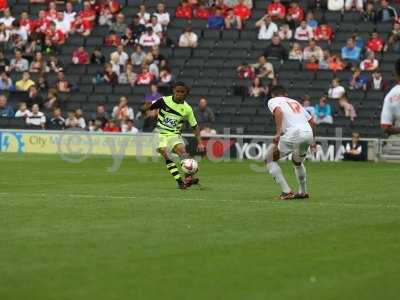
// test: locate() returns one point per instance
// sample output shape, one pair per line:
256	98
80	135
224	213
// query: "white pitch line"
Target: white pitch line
183	198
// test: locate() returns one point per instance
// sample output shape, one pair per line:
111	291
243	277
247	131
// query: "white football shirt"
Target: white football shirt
391	108
295	117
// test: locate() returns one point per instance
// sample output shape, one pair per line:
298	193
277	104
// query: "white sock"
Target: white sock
301	174
276	172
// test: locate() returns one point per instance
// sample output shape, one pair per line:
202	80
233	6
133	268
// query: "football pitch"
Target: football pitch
79	231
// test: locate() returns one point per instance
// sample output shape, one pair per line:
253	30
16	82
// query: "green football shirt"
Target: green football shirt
172	115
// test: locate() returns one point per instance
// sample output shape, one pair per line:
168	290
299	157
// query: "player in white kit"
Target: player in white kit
294	135
390	116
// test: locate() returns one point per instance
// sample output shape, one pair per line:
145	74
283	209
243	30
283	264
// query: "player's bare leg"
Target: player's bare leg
301	175
180	150
172	168
273	168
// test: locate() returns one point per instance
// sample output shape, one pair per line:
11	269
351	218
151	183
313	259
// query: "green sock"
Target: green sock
173	169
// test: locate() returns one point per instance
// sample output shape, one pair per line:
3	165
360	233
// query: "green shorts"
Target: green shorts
169	140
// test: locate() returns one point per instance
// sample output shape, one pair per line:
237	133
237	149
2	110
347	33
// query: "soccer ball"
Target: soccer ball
189	166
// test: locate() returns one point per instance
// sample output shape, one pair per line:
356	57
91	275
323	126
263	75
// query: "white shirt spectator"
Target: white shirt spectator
22	32
125	129
304	34
7	21
69	17
64	25
23	114
119	114
20	65
145	18
147	40
369	65
335	5
266	31
81	123
156	28
37	119
316	51
123	57
336	92
163	19
188	39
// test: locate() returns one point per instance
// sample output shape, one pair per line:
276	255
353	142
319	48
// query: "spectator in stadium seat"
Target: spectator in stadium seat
323	112
62	24
122	55
55	64
324	61
157	28
348	108
304	32
263	68
323	32
153	94
276	49
216	20
306	102
312	64
62	84
188	38
376	82
84	22
201	12
184	10
144	16
386	13
354	4
145	77
285	33
128	39
393	41
112	39
375	43
336	90
6	111
245	70
354	149
312	50
128	76
34	97
71	122
207	131
267	28
101	114
296	12
17	29
149	38
335	5
137	28
122	110
80	118
4	33
3	5
39	64
42	84
370	63
7	18
18	63
4	63
162	15
24	83
336	63
95	126
51	101
119	25
242	11
111	126
369	14
128	126
257	90
276	10
105	17
232	3
232	21
296	53
69	12
165	76
351	52
6	83
56	122
138	56
97	57
23	111
80	56
36	118
204	114
358	80
311	20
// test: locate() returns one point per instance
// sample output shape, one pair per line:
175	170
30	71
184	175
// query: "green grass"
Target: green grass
77	231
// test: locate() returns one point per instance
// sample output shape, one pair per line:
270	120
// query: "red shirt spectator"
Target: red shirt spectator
276	10
111	127
113	40
375	44
3	5
323	32
87	17
144	78
202	12
80	56
51	13
296	12
184	10
242	11
56	36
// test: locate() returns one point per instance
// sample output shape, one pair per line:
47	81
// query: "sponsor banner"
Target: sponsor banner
76	143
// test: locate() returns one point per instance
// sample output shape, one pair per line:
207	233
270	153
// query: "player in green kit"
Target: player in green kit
173	111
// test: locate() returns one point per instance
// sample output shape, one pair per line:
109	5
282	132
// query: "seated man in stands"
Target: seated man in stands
323	112
204	114
184	10
350	52
6	111
354	149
